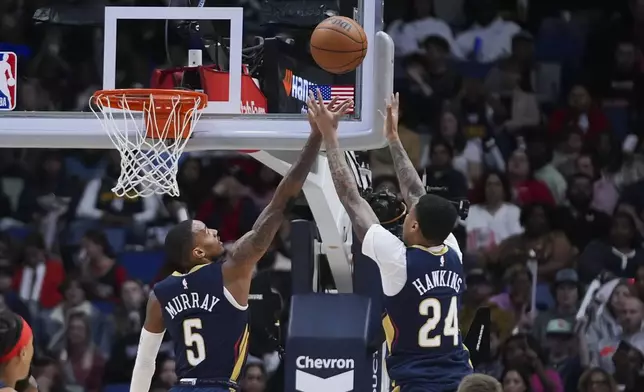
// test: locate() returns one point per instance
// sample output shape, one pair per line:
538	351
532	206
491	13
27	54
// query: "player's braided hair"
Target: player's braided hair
178	246
10	330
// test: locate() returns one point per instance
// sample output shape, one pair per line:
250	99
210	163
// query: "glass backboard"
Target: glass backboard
258	71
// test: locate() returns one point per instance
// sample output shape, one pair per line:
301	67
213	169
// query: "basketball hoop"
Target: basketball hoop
150	146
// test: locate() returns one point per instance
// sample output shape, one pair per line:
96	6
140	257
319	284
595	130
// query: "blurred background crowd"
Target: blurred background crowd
529	109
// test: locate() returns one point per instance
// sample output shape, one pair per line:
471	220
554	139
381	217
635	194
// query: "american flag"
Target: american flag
329	92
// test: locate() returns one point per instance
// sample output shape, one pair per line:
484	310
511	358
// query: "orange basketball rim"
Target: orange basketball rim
167	114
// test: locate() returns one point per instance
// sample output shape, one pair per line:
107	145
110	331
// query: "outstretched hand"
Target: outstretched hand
328	116
391	118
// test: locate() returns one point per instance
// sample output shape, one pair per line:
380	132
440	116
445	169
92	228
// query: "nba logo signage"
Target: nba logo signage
8	77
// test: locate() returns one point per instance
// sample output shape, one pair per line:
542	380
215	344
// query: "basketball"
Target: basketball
338	44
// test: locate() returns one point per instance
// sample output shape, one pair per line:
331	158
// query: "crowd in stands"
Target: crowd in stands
528	109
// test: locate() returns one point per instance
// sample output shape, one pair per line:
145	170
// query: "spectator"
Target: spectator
263	186
489	38
561	344
605	193
48	191
516	380
253	378
596	380
525	188
9	298
587	164
566	293
492	366
522	106
478	295
581	113
48	375
128	315
468	154
192	187
53	324
99	207
619	254
494	219
579	220
166	372
551	248
630	320
517	298
604	327
540	155
506	75
38	279
229	209
81	362
100	273
417	24
628	361
442	178
567	152
523	352
128	328
432	83
477	110
620	87
86	165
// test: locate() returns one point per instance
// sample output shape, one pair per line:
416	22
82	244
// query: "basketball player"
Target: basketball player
204	304
422	277
16	350
6	77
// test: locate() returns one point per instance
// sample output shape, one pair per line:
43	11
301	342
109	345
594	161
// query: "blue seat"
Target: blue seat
116	237
116	388
18	233
619	120
106	307
142	265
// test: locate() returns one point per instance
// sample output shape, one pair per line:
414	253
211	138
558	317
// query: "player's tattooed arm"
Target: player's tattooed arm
360	213
251	247
327	118
411	186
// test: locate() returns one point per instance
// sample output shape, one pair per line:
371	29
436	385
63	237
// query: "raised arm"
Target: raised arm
411	186
359	211
149	344
251	247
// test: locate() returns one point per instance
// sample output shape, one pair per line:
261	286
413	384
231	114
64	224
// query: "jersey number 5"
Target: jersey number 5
450	324
195	345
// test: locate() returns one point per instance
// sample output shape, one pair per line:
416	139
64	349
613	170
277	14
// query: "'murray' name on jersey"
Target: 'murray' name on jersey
190	301
438	279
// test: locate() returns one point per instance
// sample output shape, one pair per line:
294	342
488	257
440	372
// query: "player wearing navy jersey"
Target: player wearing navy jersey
422	277
203	305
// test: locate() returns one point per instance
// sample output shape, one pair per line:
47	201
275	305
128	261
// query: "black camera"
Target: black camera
389	209
462	205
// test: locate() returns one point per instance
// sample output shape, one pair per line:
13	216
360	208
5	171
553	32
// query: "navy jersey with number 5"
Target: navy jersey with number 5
422	290
209	329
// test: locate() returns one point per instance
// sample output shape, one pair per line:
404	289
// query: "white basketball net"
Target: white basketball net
148	166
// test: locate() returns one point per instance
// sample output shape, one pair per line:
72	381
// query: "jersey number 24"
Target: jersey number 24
431	308
195	345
